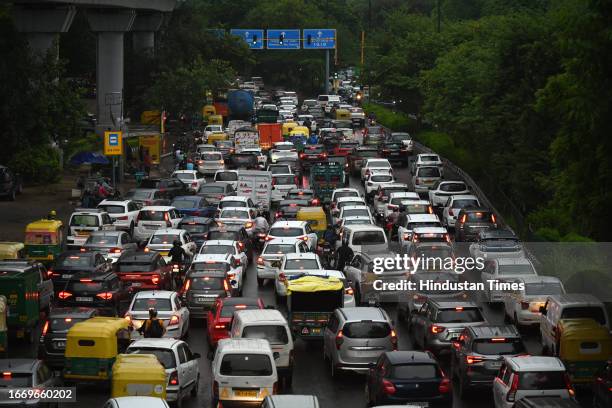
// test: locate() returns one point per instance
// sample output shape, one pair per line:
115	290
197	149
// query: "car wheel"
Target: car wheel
196	387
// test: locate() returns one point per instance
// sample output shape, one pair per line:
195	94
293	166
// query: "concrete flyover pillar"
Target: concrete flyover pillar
110	25
42	24
143	31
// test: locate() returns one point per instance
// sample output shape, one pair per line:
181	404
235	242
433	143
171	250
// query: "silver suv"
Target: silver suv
356	336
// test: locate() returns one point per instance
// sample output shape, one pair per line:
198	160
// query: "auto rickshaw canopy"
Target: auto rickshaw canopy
11	250
96	337
314	284
584	340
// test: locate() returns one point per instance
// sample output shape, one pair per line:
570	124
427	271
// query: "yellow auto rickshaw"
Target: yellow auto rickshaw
216	137
92	347
3	325
215	120
343	114
12	250
138	375
300	130
316	217
207	111
584	347
288	127
44	239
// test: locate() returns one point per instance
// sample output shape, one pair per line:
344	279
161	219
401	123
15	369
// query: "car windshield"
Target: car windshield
82	220
369	238
498	346
139	194
542	289
211	156
521	269
284	147
388	190
103	240
165	356
479	216
279	249
62	324
392	146
358	221
285	232
167	239
194	228
15	380
542	380
381	178
83	286
185	176
211	189
301	264
459	315
414	372
112	209
428	172
283	180
143	304
206	283
356	212
246	365
226	176
280	169
350	202
152	215
452	187
366	330
585	312
234	214
74	261
185	203
232	203
274	334
135	266
217	249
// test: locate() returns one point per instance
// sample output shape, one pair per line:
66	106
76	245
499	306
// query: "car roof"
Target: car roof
497	233
464	197
404	194
577	298
430	230
349	199
359	228
513	261
362	313
197	220
232	301
394	185
58	312
18	365
157	208
166	343
116	202
451	304
427	154
494	331
226	227
169	231
303	255
535	363
527	279
280	224
138	256
404	357
157	294
258	346
354	207
185	171
294	401
260	315
106	233
202	258
216	183
235	198
422	218
345	189
218	242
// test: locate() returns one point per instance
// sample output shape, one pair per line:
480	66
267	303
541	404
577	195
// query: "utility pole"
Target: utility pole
439	14
362	47
327	50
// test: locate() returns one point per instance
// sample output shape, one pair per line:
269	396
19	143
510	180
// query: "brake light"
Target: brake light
174	320
186	286
394	339
49	273
435	329
388	388
568	385
115	250
524	305
493	219
445	386
278	214
273	182
302	155
316	201
167	218
241	245
464	218
105	295
260	260
155	280
7	374
275	388
225	285
473	359
511	397
498	340
64	295
174	379
85	280
45	328
268	238
349	291
430	209
219	326
339	339
406	236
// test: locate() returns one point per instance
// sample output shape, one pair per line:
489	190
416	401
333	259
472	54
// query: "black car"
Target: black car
70	263
402	377
602	388
226	147
203	286
10	183
288	209
313	154
358	156
232	233
472	220
244	160
52	342
104	291
214	192
478	354
294	164
170	187
394	152
197	227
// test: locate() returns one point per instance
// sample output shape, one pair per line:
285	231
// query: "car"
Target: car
293	264
282	184
355	211
379	164
210	129
215	191
270	259
52	343
204	148
387	200
454	204
497	243
522	306
394	151
279	168
170	310
373	135
344	192
403	138
244	160
204	283
439	192
10	183
293	229
225	247
404	232
237	202
193	206
376	179
221	315
29	373
436	256
152	218
233	233
427	159
355	337
197	227
146	196
303	194
288	209
103	291
408	379
477	355
83	221
144	271
307	104
73	262
227	176
602	388
192	179
336	206
438	235
282	150
111	244
345	147
227	262
122	212
163	240
364	238
425	177
210	162
357	116
525	376
171	187
358	156
313	154
237	216
226	147
346	221
472	220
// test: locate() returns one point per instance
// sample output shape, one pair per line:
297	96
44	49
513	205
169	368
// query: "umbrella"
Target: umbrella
88	158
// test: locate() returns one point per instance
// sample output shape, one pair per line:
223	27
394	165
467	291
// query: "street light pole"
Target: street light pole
327	50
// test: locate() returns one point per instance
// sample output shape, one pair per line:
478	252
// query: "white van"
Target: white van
327	101
364	238
271	325
243	372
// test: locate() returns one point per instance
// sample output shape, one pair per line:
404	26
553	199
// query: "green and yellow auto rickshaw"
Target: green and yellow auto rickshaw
44	240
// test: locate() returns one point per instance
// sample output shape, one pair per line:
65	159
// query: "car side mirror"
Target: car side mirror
196	356
276	355
543	310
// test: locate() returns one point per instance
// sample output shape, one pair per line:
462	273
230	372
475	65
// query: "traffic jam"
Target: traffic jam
243	272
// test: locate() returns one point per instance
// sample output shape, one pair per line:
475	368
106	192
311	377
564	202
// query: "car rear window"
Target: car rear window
274	334
284	147
135	266
84	220
165	357
211	156
150	215
210	266
78	286
498	346
234	214
341	194
479	216
139	194
112	209
452	187
428	172
414	371
539	289
502	245
75	261
161	239
366	330
381	178
143	304
542	380
430	158
468	203
284	180
194	228
62	324
223	235
280	169
286	232
379	163
102	239
355	212
350	202
366	153
206	283
585	312
211	189
217	249
459	315
246	365
228	176
228	310
416	208
185	203
314	149
185	176
301	264
233	203
399	137
279	249
369	238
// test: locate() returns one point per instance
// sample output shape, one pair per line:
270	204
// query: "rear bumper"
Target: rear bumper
437	401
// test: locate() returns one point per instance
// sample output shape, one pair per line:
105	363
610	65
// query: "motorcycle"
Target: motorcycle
324	250
177	275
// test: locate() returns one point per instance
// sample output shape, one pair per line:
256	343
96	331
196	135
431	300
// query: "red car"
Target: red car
144	271
220	316
345	147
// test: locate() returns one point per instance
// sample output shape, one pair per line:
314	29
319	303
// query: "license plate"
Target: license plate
246	393
316	330
200	300
151	226
66	276
164	253
136	284
84	299
494	364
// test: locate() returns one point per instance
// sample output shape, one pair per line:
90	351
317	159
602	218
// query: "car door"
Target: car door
45	287
187	364
192	363
329	336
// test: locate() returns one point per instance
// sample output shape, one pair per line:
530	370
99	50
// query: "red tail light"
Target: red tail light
430	209
167	218
388	388
511	397
282	277
185	287
219	326
473	359
49	273
174	320
493	219
435	329
316	201
524	305
45	328
105	295
349	291
194	184
394	339
445	386
302	155
115	250
339	339
155	280
241	245
278	214
296	181
64	295
174	380
463	219
568	385
273	182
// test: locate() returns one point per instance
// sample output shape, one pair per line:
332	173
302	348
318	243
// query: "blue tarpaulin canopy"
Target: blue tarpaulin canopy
88	158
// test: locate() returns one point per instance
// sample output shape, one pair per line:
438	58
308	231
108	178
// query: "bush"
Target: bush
396	121
39	164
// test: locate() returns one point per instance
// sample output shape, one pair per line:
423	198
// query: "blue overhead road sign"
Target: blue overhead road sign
253	37
283	39
319	38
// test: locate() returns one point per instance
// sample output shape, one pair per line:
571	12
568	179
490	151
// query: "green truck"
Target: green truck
325	178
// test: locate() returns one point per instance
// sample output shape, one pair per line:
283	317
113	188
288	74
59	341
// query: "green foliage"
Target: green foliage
37	164
392	119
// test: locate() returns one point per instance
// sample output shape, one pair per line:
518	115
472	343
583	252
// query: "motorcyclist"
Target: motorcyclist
177	253
402	218
392	221
152	327
330	235
261	225
52	215
343	255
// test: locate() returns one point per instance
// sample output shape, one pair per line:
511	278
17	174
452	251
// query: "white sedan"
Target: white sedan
283	150
295	264
170	310
163	239
225	246
376	179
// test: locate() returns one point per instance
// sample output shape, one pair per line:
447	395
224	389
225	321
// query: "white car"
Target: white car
356	221
226	261
154	217
425	177
439	193
285	116
427	159
136	402
382	198
281	185
522	306
271	257
163	239
454	205
227	176
376	179
83	221
179	361
344	192
193	179
269	106
237	216
307	104
394	200
283	150
210	129
291	96
237	201
122	212
262	159
497	243
210	162
294	264
355	211
224	246
404	232
504	269
427	234
342	201
294	229
371	164
170	310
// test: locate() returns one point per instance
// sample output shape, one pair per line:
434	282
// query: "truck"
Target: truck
245	138
311	300
325	178
236	124
241	104
266	116
257	185
269	133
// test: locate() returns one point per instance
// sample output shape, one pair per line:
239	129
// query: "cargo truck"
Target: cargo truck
269	133
245	138
257	185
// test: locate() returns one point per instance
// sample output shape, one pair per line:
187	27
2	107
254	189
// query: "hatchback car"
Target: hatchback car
602	389
215	191
472	220
522	306
122	212
355	337
233	233
282	184
454	205
227	176
29	373
210	162
220	317
144	271
83	222
241	216
171	187
313	154
282	150
425	177
197	227
289	208
192	179
293	229
394	152
270	259
147	196
111	244
71	263
152	218
439	193
292	265
170	310
503	270
203	285
193	206
233	267
163	240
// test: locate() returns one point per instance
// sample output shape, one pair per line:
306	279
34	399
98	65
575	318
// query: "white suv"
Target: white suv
181	364
293	229
154	217
375	164
84	221
122	212
228	262
454	205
